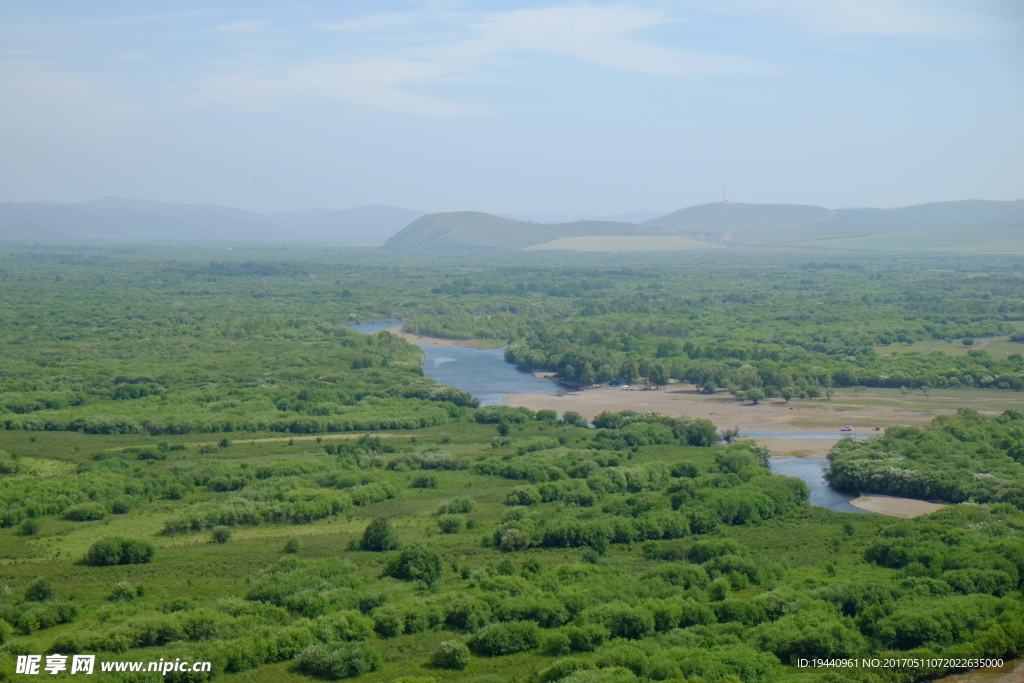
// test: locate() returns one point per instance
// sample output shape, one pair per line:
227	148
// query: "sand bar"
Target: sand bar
773	415
907	508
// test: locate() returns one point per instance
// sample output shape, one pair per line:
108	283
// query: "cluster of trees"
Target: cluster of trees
966	457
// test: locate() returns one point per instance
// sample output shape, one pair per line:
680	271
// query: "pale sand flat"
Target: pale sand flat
771	415
907	508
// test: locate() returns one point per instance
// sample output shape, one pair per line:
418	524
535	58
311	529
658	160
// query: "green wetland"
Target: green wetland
201	460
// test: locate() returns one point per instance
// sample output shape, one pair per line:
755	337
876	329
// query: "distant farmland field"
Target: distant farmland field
632	243
973	239
1000	347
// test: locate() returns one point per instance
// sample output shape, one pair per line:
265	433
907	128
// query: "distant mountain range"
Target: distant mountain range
971	225
141	220
958	226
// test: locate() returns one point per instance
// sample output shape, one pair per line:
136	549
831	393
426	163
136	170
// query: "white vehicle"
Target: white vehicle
625	386
847	428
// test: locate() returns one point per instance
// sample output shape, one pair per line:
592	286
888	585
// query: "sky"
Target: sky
512	107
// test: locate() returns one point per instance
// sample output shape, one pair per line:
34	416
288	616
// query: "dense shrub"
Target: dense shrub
451	524
506	638
29	527
85	512
333	663
522	495
378	536
587	637
113	550
415	562
451	654
221	534
424	481
41	590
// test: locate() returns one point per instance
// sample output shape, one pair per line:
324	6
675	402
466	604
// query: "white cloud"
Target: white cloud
378	84
599	35
418	56
894	18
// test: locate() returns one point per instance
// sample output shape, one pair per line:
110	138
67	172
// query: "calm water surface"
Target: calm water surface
482	372
812	471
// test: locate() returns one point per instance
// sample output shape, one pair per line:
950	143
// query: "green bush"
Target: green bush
113	550
378	536
6	632
451	524
571	417
506	638
389	622
424	481
29	527
523	495
41	590
562	669
451	654
586	638
85	512
221	534
292	546
416	562
348	661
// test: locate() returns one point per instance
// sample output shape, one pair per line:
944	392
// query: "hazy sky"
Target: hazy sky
512	106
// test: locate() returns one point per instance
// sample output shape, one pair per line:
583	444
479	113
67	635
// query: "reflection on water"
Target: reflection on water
482	372
370	328
812	471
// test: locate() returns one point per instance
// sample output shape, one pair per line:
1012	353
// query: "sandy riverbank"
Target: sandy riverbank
907	508
773	415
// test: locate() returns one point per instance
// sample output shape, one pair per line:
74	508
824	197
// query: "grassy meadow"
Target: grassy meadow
620	244
990	239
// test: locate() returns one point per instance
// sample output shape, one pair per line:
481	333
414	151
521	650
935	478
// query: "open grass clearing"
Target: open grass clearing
620	244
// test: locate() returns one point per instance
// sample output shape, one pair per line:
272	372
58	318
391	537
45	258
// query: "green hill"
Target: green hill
476	230
730	221
800	225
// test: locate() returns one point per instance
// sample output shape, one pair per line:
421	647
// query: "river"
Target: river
485	374
482	372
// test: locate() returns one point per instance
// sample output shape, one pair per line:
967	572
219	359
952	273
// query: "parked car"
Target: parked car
847	428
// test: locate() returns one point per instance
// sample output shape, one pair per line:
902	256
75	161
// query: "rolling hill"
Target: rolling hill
787	224
476	230
141	220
